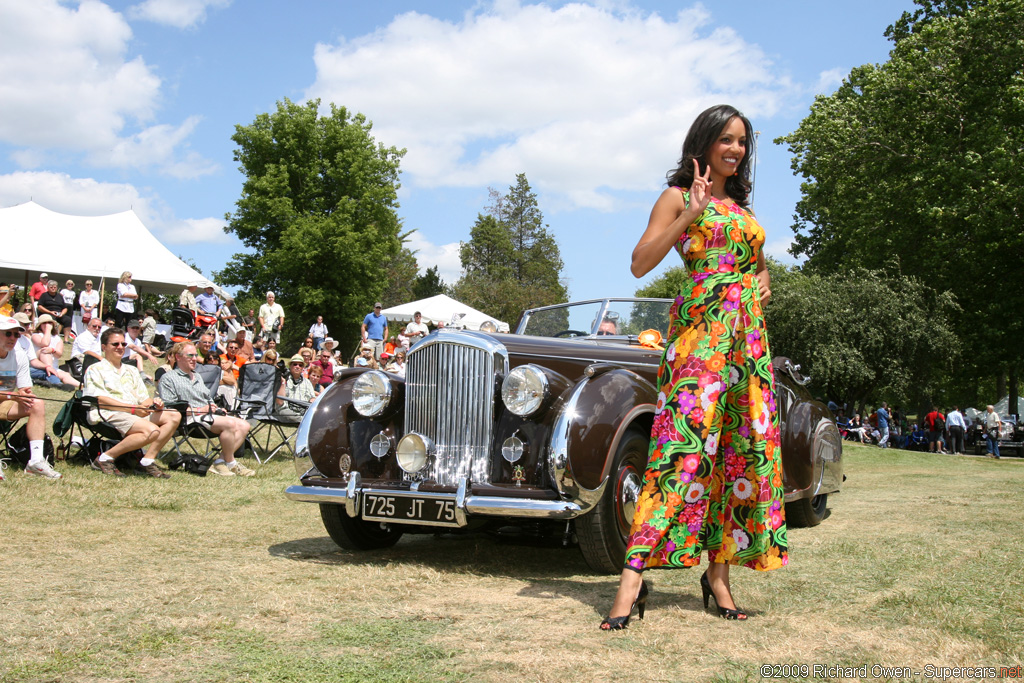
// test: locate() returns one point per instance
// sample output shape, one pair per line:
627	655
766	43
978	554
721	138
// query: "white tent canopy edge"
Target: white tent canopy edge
441	308
38	240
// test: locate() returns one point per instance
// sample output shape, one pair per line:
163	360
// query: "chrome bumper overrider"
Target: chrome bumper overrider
465	503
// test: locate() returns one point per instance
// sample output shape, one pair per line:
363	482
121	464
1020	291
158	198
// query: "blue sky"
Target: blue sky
116	105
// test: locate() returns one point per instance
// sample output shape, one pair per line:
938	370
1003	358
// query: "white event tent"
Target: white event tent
37	240
442	308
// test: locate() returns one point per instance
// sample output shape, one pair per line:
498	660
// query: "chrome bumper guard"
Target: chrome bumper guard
465	504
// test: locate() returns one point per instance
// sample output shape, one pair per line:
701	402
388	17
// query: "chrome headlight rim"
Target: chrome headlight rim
515	401
377	386
413	453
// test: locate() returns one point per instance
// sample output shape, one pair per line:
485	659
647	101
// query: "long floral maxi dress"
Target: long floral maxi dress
714	472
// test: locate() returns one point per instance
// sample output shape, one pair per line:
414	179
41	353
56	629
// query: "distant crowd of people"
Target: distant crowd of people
936	431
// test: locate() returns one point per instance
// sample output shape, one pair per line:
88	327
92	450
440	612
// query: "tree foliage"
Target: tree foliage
863	335
317	214
919	160
511	261
429	284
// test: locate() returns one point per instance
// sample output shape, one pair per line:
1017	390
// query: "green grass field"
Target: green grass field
223	579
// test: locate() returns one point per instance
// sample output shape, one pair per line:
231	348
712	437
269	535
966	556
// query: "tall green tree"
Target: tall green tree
429	284
318	214
864	335
511	262
919	160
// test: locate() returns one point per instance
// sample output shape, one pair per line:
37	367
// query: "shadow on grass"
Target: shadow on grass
471	552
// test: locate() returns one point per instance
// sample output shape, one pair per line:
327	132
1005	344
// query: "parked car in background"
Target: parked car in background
546	428
1011	436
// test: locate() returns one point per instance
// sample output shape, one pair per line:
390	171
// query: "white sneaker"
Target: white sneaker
42	469
3	466
222	469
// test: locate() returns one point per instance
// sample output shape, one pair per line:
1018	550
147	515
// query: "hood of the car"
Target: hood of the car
570	357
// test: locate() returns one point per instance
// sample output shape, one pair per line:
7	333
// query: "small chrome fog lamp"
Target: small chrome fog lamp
380	445
413	452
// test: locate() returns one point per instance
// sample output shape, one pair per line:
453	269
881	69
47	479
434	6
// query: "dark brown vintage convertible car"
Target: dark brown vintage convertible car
548	426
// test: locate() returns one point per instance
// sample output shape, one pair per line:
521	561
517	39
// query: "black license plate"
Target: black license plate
409	509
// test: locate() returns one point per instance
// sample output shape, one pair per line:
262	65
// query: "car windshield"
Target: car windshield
602	317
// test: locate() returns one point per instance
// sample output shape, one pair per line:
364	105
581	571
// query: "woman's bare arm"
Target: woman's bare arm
670	218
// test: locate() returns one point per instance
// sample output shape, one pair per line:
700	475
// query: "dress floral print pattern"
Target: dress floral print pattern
714	473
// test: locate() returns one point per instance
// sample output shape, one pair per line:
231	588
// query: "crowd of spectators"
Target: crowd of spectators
108	357
935	432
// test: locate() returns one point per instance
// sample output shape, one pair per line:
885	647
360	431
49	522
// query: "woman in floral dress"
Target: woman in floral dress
714	473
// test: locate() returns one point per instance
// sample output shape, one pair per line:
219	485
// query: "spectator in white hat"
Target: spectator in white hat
17	400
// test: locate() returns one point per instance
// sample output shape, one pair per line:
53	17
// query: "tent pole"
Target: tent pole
103	280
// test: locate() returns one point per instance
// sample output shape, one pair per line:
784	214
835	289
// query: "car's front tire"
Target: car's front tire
807	512
352	533
602	532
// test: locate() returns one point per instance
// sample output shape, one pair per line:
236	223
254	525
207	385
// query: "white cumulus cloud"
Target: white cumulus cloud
177	13
67	84
585	99
444	256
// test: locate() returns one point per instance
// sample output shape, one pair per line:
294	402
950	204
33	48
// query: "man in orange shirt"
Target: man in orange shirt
237	360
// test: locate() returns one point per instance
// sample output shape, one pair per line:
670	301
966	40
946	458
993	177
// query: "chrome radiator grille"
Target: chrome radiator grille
449	397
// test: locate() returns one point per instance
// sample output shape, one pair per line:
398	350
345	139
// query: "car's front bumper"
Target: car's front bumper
464	502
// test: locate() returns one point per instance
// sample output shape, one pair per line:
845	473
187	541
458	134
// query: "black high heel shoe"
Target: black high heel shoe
640	605
705	587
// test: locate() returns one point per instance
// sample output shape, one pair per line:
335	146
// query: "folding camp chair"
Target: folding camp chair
210	374
100	431
257	394
189	435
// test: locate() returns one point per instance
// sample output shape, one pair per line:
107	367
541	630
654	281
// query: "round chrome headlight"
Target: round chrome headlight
371	393
413	452
524	390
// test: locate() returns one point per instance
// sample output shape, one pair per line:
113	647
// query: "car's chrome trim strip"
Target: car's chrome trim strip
490	506
558	456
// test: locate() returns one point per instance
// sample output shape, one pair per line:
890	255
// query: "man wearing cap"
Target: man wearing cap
125	404
17	400
188	297
271	319
208	302
417	329
135	349
39	288
375	330
182	385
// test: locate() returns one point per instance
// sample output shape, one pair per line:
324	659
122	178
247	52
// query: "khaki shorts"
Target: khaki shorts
7	407
121	420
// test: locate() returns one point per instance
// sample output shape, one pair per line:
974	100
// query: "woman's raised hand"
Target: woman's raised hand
700	189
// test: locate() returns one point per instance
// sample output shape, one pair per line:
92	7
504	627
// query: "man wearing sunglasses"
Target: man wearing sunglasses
125	404
17	400
182	385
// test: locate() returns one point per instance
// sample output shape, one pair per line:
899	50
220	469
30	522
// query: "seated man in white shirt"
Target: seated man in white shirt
124	402
17	400
87	343
135	349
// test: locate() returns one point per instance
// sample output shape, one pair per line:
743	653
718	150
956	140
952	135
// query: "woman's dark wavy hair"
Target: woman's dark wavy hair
702	134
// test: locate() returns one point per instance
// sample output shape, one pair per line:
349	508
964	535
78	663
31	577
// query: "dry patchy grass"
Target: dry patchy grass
221	579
